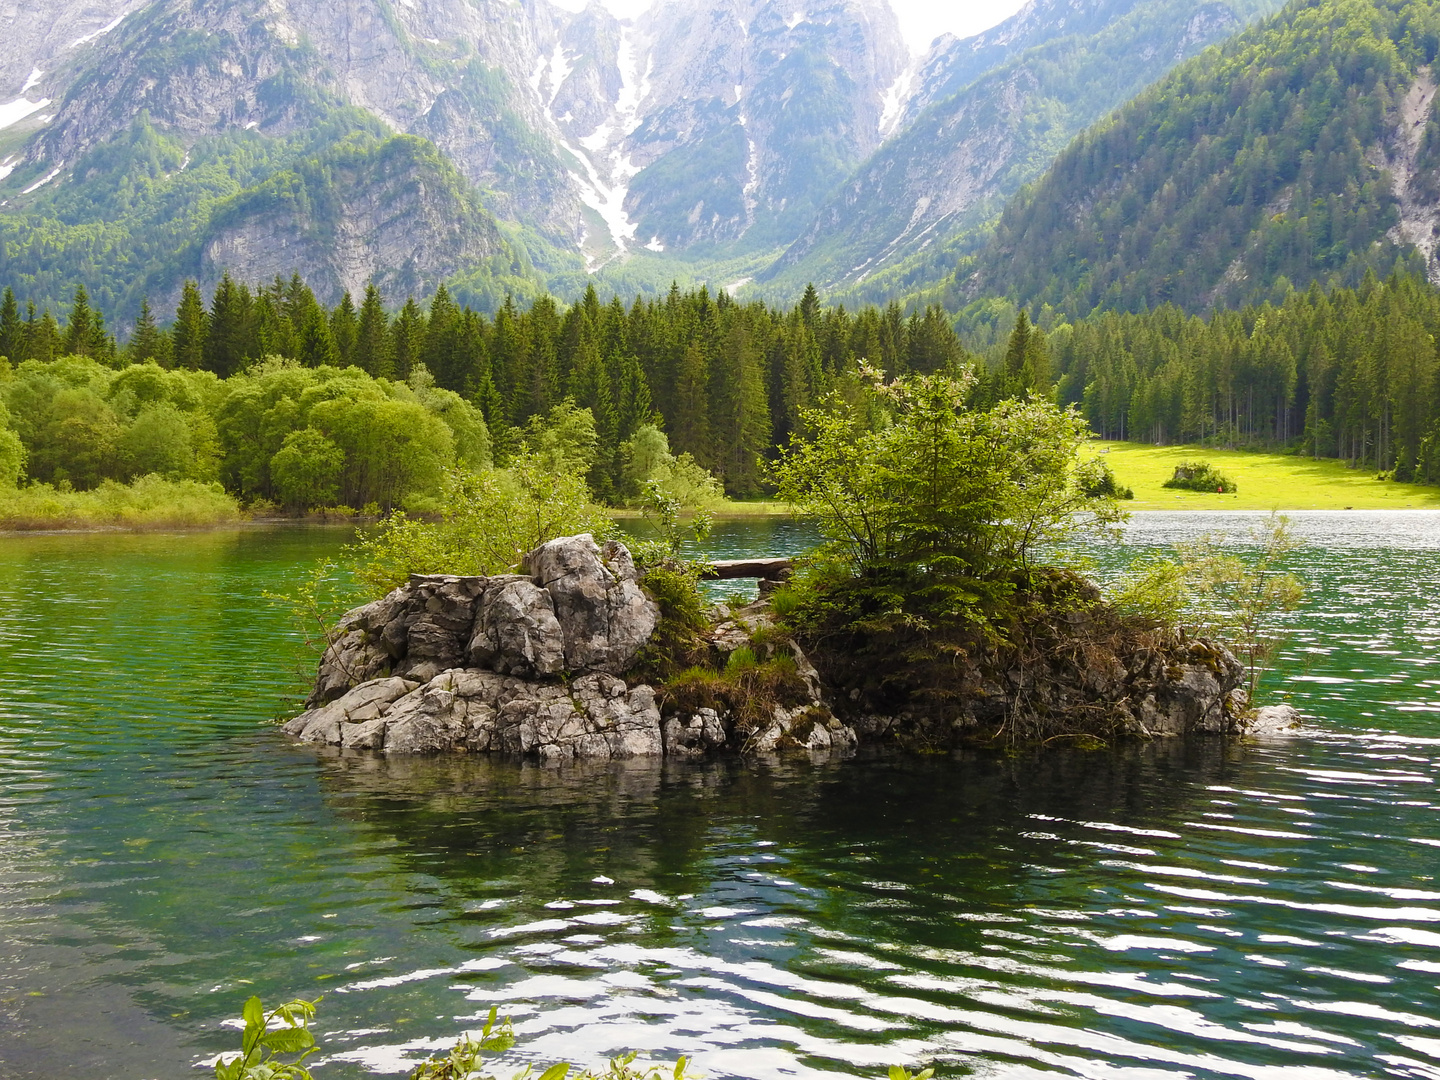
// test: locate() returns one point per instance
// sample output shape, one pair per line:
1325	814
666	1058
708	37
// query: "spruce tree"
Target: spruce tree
12	330
316	345
188	334
344	328
147	342
227	344
102	343
44	338
80	330
689	427
407	338
374	351
741	412
1017	349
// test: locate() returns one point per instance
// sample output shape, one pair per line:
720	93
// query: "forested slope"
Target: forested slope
1300	150
947	174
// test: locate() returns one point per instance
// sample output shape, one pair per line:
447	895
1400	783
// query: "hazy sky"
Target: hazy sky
921	21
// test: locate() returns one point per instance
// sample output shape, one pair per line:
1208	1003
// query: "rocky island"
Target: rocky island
557	663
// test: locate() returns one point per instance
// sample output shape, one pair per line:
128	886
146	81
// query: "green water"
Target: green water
1173	909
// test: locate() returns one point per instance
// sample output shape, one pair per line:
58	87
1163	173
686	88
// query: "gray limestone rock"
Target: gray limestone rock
1272	720
368	735
695	734
349	660
604	615
516	629
426	720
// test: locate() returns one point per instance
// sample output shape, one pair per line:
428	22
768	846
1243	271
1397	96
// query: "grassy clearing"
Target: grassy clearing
1265	481
149	503
725	508
743	508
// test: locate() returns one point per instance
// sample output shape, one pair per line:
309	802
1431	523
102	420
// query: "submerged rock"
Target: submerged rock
1273	720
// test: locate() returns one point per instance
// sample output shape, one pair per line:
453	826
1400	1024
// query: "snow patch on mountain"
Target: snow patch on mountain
15	111
892	103
96	33
607	168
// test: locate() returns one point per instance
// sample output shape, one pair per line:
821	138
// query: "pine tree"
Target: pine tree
316	346
12	330
1017	350
741	412
374	352
407	338
441	352
191	327
810	307
227	344
80	330
102	343
147	342
344	328
43	337
689	427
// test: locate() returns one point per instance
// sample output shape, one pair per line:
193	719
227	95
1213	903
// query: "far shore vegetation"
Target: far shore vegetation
1263	481
265	402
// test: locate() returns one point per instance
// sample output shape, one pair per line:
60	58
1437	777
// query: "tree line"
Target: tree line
621	392
1351	374
725	382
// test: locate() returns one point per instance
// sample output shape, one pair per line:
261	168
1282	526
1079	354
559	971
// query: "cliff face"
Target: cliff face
397	215
754	111
42	40
201	69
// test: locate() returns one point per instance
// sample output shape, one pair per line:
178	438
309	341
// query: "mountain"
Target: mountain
749	114
701	129
1304	149
949	172
515	145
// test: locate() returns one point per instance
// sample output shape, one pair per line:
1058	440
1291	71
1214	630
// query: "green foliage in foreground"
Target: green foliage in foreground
285	1030
282	1031
1222	593
1200	476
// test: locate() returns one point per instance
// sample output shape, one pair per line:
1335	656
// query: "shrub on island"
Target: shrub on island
1200	476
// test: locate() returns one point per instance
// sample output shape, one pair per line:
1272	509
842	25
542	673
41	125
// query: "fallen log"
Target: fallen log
769	569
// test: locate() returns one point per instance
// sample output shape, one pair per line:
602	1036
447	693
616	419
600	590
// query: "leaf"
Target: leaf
289	1040
253	1014
558	1071
898	1072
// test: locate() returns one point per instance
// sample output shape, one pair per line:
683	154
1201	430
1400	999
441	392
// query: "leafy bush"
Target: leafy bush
1200	476
490	520
1096	480
149	502
936	488
283	1030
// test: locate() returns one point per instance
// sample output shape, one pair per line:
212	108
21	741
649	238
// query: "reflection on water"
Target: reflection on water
1172	909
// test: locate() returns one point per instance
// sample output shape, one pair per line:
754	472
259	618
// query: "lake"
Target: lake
1181	908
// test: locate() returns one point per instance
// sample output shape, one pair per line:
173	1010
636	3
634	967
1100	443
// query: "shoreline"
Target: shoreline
337	522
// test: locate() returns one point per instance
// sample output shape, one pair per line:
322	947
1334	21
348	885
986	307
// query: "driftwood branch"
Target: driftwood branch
770	569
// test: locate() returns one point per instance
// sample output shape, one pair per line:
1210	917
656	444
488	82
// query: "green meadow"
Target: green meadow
1265	481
